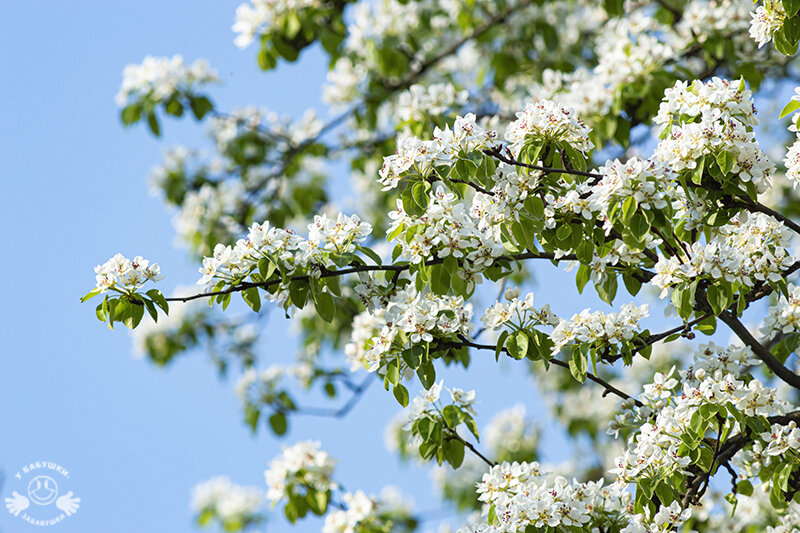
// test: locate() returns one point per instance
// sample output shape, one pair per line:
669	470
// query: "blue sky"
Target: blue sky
136	438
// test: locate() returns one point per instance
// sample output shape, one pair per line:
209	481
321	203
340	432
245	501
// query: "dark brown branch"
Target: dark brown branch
452	433
609	388
760	350
497	153
652	339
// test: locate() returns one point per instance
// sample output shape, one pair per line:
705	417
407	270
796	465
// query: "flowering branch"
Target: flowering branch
325	273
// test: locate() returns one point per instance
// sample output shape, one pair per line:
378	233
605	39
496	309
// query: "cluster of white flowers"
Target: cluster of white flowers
427	399
409	317
159	78
766	20
226	500
590	327
258	17
628	49
511	431
648	182
792	159
706	119
517	312
711	357
703	18
546	120
419	157
326	236
124	275
693	99
255	386
784	316
713	380
303	464
749	250
418	101
209	210
366	512
282	131
780	439
523	496
445	229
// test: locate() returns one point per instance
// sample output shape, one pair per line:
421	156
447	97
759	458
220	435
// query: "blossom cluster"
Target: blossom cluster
364	512
648	182
517	312
425	402
751	249
591	327
159	78
766	20
301	465
784	316
326	236
418	101
415	156
258	16
713	380
409	317
446	228
706	119
125	275
522	496
255	387
219	498
547	121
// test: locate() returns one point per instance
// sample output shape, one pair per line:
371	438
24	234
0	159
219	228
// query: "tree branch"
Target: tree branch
759	350
609	388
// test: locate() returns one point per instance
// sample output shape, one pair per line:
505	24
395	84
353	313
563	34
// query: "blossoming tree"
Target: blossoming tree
487	140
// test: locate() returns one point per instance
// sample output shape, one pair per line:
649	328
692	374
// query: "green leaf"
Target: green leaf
318	501
790	108
726	161
427	374
585	251
401	394
159	299
131	114
440	279
517	344
325	306
201	106
278	423
744	487
370	253
252	298
251	416
697	173
91	294
152	121
454	452
500	343
419	192
578	365
267	59
129	313
266	268
719	297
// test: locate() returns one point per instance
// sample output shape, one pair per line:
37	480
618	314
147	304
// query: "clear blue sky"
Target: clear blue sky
137	438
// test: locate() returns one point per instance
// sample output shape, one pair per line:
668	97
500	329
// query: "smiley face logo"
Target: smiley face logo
42	490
